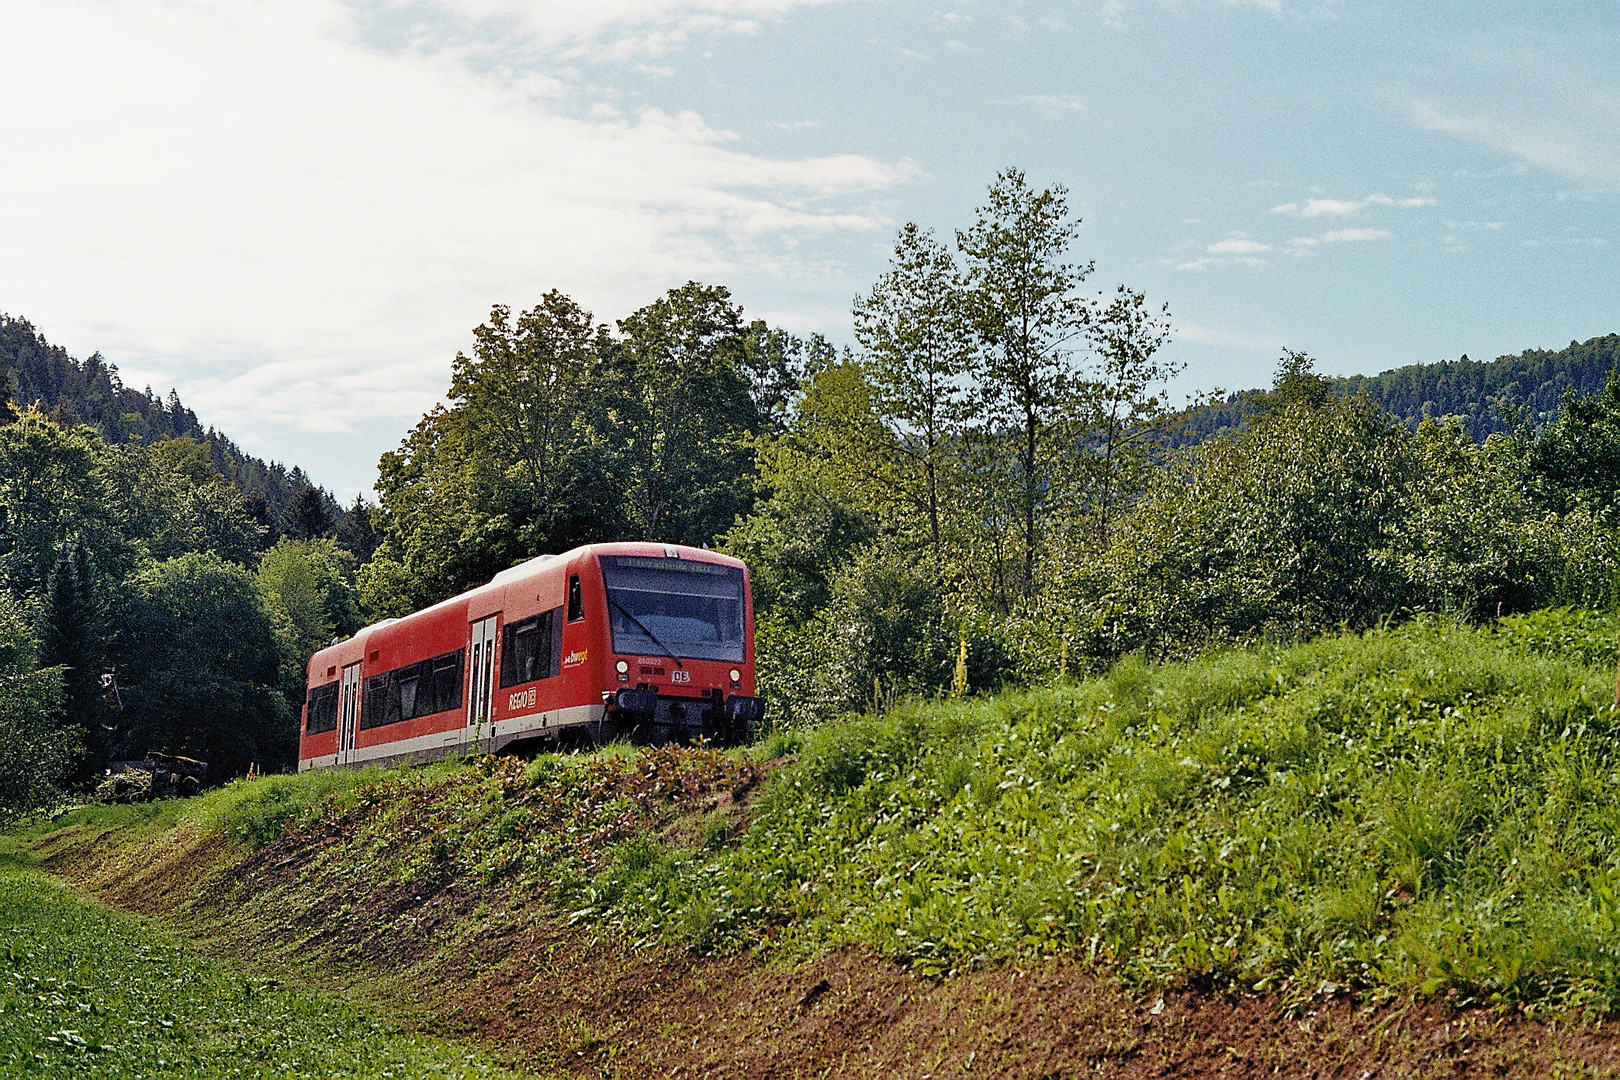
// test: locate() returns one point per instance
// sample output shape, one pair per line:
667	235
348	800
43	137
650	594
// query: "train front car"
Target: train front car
678	631
650	641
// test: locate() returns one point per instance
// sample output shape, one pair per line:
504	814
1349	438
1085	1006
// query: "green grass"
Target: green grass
89	992
1427	809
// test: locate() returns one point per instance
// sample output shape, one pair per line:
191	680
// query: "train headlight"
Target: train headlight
736	679
624	671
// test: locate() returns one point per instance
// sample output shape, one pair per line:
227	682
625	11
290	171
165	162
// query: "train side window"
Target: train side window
323	702
529	651
446	681
381	704
576	599
421	689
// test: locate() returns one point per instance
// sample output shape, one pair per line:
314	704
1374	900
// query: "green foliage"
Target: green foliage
201	672
93	993
559	433
1325	512
1426	809
55	484
1575	634
73	632
308	585
686	415
1025	311
35	747
1576	461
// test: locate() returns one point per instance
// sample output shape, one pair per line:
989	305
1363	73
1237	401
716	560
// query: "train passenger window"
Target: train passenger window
421	689
444	681
532	648
323	709
576	599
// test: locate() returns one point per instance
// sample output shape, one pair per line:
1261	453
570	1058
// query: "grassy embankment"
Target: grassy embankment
1429	810
90	992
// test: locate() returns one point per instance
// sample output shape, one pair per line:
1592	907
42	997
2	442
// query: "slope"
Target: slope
1394	850
89	391
1488	396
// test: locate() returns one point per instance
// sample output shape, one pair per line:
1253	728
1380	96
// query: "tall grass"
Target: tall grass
1429	808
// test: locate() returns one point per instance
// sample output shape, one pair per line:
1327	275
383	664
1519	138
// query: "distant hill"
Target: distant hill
1484	394
89	391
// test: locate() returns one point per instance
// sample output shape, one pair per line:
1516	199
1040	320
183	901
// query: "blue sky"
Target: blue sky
295	211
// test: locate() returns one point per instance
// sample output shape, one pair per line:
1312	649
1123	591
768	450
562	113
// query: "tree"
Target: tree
173	500
355	531
517	464
687	415
73	636
776	363
911	330
1027	316
309	581
199	668
35	750
1576	459
1282	528
308	515
1126	413
55	486
826	495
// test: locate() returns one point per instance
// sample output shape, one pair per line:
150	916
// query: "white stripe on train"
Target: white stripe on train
440	744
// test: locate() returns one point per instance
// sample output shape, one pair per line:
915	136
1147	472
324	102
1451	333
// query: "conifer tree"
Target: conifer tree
72	633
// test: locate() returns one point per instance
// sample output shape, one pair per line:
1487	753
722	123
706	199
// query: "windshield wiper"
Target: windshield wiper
669	652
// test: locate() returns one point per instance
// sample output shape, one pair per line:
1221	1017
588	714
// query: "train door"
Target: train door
348	713
481	679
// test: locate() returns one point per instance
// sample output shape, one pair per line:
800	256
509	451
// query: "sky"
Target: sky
295	211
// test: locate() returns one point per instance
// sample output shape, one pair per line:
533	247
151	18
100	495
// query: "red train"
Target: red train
654	641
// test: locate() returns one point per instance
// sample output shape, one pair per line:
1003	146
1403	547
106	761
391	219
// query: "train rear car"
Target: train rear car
650	641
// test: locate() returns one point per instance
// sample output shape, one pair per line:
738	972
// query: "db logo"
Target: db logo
521	698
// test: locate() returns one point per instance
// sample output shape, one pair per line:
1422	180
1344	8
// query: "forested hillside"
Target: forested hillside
159	589
1488	397
89	391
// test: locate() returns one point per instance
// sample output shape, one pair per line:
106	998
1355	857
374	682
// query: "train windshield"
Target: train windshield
660	607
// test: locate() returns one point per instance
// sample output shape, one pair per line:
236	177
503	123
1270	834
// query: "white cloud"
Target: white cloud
1237	245
1340	236
299	230
1054	103
1351	236
1550	101
612	29
1315	208
1198	334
